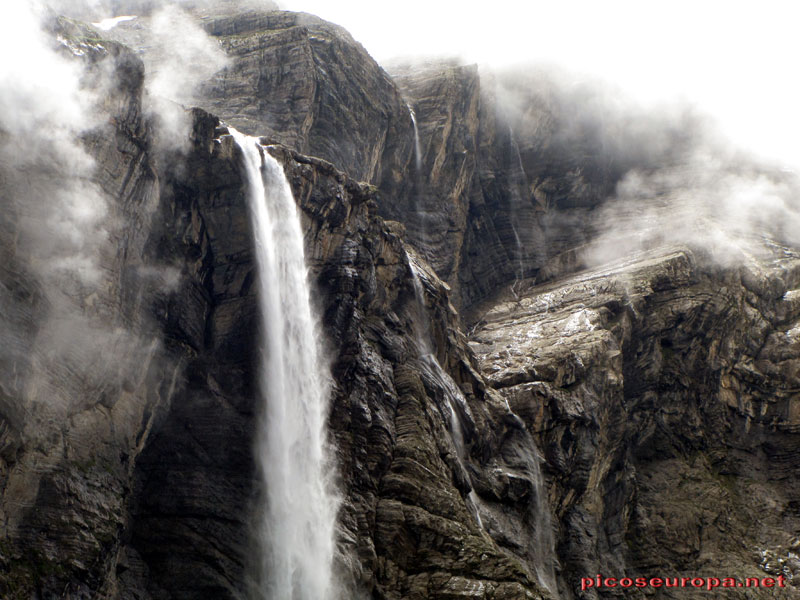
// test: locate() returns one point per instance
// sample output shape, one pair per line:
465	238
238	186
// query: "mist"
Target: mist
65	338
686	114
732	61
178	55
50	99
98	10
649	175
665	128
658	165
686	128
45	169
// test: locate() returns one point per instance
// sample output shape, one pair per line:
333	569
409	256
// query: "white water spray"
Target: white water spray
417	150
422	225
296	525
543	540
434	371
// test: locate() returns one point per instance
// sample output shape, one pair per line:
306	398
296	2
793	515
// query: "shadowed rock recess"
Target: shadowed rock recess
519	412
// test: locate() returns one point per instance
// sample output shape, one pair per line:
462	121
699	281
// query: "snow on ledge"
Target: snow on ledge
107	24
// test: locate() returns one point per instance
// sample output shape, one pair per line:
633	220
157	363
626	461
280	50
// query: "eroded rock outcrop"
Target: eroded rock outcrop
307	84
407	529
660	389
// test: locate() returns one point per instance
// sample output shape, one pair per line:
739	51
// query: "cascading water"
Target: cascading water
422	327
514	201
520	252
454	396
422	228
434	371
543	542
417	150
296	524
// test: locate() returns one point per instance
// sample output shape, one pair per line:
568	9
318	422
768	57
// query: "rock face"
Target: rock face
391	424
307	84
505	420
485	206
82	367
151	480
512	169
504	181
661	391
468	207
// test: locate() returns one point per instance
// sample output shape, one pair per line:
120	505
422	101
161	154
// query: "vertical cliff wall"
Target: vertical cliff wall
186	532
83	366
599	403
309	85
662	404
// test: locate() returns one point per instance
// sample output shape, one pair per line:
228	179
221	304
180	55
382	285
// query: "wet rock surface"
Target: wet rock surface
82	366
469	208
505	421
407	529
661	394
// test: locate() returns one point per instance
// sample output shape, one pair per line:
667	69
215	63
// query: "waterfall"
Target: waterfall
422	228
544	544
417	151
543	541
520	251
528	463
473	501
421	325
514	201
432	369
295	527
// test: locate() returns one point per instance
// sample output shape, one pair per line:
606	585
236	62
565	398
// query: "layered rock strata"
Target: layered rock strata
406	527
83	367
593	410
662	390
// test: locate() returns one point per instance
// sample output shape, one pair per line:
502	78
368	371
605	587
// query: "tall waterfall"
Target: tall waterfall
421	226
296	524
417	148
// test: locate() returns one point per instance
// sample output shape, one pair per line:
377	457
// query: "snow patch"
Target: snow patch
107	24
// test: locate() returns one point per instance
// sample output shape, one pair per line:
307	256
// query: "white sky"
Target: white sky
737	60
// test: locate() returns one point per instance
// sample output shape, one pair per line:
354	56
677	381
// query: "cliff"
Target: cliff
659	389
521	418
390	421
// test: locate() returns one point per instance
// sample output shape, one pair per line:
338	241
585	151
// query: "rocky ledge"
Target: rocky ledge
663	392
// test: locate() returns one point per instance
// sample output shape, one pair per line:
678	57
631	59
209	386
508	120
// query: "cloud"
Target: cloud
59	232
732	212
177	53
179	57
643	175
733	60
47	174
